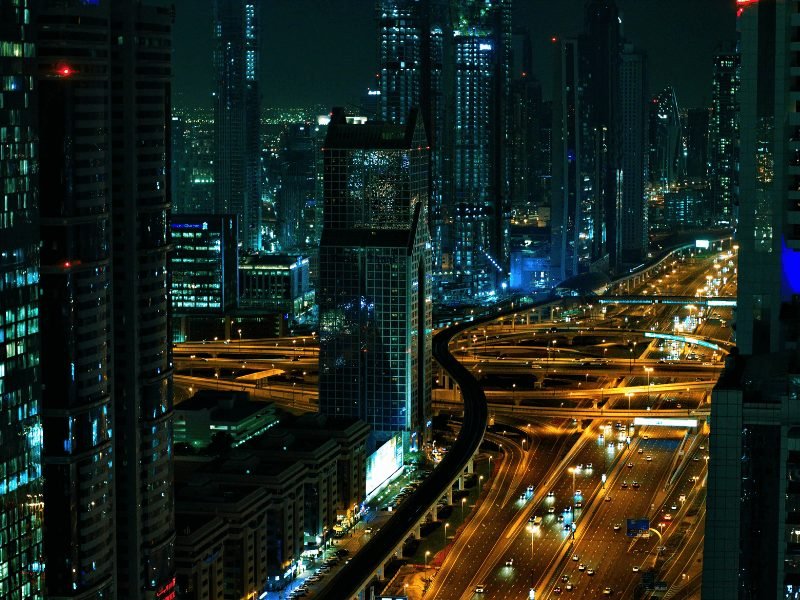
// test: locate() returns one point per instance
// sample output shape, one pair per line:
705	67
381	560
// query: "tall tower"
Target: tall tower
140	113
697	144
723	135
751	545
666	139
632	231
20	428
237	117
76	305
374	292
601	47
400	41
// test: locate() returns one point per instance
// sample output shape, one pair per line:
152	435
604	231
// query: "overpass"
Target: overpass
681	300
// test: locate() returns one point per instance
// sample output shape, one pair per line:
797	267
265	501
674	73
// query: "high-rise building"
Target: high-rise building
601	47
237	117
141	48
374	293
76	303
296	198
666	156
723	135
632	237
697	144
400	39
479	205
751	544
571	166
21	575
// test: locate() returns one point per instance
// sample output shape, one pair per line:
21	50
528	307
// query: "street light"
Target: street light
463	502
427	554
513	395
480	481
446	525
240	341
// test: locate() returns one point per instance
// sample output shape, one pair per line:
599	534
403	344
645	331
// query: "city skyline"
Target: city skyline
339	70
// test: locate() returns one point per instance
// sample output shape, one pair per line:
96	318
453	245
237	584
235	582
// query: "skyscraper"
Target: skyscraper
20	430
666	156
145	517
723	135
632	230
76	304
296	197
374	292
751	544
400	40
237	117
697	144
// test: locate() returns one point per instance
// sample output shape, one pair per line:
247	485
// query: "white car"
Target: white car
480	588
635	568
608	591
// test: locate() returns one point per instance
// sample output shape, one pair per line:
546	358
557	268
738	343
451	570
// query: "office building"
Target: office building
142	361
296	198
686	207
203	264
76	307
275	283
697	144
374	294
193	154
575	209
400	41
237	117
751	546
632	215
723	136
666	152
20	431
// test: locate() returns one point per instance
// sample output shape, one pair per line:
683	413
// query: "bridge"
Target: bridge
681	300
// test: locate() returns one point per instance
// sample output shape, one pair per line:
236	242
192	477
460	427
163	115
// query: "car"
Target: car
617	526
523	497
557	590
608	591
624	485
510	562
608	498
368	530
567	527
551	509
648	458
668	517
674	507
578	493
590	571
530	489
536	520
630	465
560	518
641	451
565	578
569	587
575	557
480	588
581	567
635	568
695	459
635	485
342	552
645	437
567	510
589	466
551	494
579	504
702	447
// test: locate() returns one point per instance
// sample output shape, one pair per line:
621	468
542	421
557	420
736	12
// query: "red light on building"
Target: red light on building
167	591
554	39
745	2
64	70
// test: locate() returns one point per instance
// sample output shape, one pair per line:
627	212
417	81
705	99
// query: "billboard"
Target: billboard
384	463
638	526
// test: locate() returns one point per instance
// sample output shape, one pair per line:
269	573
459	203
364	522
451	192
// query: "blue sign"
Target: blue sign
638	526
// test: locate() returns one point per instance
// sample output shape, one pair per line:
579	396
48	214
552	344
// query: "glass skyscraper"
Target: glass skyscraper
374	291
237	117
723	133
21	561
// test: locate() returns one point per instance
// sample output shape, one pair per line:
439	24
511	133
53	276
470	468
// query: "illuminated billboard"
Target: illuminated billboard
680	338
702	244
665	422
384	463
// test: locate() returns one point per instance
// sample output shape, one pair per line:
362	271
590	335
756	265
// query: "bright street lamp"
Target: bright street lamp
446	525
463	502
427	554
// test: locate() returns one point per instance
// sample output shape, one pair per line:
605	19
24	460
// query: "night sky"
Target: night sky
325	51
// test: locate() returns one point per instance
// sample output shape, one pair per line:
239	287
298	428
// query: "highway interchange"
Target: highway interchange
575	366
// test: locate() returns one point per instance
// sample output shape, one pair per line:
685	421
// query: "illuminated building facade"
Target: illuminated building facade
400	54
296	199
142	369
21	577
752	548
666	152
76	304
203	264
632	215
237	117
374	294
723	134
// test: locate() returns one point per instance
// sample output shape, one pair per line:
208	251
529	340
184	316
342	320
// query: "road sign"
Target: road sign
638	526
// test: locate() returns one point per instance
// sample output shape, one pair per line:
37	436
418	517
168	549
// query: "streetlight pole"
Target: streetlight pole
427	554
648	370
463	502
480	481
240	341
446	525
